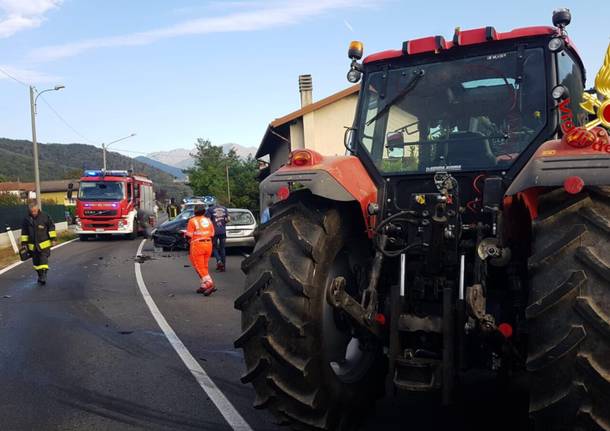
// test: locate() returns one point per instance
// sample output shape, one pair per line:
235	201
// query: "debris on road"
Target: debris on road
142	259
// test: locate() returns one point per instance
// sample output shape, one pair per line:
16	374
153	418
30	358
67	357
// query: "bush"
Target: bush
9	199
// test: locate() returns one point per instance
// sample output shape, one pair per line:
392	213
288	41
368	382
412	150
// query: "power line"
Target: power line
17	80
63	120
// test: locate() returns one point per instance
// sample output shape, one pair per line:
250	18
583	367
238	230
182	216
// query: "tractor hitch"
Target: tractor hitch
339	299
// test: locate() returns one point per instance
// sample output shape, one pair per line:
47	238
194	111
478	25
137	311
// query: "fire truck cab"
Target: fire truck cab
114	203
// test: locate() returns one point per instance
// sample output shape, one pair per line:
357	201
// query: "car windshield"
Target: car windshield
101	191
466	114
185	215
240	218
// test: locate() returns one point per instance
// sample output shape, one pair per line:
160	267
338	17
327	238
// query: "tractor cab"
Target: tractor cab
480	102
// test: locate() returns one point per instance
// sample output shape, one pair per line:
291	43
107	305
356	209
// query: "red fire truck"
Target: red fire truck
113	203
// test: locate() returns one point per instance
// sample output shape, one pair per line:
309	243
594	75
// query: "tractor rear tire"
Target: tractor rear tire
569	312
285	319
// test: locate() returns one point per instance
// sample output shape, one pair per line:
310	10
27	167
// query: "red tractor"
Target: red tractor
468	229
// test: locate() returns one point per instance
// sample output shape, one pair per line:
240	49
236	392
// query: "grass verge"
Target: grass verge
7	256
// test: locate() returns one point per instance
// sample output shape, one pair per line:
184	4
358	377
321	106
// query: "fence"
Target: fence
12	216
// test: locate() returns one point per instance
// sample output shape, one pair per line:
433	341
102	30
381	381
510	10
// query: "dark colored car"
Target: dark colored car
240	230
170	234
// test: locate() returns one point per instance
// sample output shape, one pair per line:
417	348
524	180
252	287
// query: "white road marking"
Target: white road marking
63	243
13	265
221	402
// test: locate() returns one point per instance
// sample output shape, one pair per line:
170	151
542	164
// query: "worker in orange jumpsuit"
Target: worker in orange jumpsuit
200	230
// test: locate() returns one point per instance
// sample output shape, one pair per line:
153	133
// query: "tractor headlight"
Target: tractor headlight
354	76
556	44
560	92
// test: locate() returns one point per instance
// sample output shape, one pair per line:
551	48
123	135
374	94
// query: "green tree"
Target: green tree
208	176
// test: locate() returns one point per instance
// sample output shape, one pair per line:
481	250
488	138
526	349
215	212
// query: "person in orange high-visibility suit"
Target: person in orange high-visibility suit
200	230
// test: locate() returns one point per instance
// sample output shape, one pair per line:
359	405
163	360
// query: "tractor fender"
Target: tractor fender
555	161
338	178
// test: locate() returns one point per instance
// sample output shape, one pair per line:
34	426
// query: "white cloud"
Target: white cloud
17	15
26	75
259	16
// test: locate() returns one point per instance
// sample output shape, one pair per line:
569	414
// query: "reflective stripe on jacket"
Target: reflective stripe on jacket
37	232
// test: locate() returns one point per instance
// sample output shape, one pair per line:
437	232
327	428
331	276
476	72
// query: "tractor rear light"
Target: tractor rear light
300	158
283	193
304	158
506	330
380	319
573	185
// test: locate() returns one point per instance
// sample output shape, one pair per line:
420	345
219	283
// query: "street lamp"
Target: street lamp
34	95
105	146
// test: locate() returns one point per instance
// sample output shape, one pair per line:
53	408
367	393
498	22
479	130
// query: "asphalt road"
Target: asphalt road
85	353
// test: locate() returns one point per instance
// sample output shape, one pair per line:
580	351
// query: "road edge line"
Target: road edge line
16	264
224	406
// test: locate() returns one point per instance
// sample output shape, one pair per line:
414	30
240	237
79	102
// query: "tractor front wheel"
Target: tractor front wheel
300	355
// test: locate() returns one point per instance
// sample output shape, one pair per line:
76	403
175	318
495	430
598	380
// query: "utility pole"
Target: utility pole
33	98
104	154
35	147
105	147
228	184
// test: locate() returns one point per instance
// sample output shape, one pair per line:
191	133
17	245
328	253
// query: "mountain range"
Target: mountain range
67	161
181	157
172	170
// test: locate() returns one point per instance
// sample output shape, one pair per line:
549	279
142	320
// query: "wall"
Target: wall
57	197
324	131
279	157
330	124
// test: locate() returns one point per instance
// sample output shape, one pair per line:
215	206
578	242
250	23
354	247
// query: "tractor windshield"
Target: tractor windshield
466	114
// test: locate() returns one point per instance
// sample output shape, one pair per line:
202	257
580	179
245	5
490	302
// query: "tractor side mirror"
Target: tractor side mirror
395	143
395	140
349	139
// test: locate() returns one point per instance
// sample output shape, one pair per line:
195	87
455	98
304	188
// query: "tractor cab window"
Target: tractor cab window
570	76
466	114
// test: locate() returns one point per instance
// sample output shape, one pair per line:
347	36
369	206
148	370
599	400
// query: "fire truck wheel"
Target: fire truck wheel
299	352
134	234
569	312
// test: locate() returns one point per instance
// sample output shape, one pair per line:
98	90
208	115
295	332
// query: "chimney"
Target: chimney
306	90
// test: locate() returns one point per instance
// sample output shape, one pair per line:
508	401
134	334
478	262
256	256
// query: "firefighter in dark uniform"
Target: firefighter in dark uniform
38	232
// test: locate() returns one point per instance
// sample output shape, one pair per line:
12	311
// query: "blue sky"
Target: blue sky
173	71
